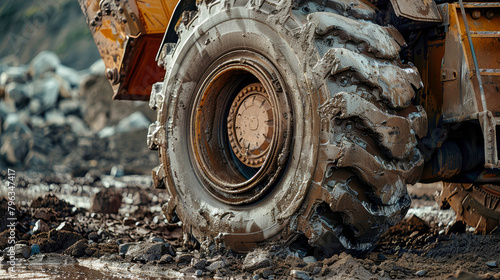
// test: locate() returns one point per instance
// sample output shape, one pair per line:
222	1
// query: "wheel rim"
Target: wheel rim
240	128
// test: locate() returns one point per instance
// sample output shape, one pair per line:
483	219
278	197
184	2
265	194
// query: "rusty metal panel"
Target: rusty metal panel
418	10
126	32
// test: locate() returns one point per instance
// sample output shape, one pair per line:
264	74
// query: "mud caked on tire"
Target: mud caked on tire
278	120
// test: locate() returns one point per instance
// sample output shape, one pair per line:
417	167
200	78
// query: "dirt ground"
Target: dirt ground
76	242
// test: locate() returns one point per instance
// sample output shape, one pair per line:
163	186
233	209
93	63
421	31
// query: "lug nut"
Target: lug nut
476	14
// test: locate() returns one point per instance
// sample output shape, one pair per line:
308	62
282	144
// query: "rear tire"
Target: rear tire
344	130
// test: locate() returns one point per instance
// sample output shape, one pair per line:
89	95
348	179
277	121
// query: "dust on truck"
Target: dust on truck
302	122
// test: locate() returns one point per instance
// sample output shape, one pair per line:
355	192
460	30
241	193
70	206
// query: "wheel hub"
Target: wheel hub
250	125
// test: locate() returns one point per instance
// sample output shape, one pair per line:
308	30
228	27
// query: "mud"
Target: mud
137	243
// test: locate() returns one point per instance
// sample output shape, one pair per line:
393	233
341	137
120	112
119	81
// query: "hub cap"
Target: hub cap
250	125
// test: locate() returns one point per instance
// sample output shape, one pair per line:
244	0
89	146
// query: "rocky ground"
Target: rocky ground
122	234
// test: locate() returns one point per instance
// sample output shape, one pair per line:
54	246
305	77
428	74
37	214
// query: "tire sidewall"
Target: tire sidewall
214	35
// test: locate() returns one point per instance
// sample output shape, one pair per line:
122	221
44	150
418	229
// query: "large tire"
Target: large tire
343	143
476	205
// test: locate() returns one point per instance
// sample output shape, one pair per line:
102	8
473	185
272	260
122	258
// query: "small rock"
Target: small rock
40	226
47	90
183	258
70	107
198	273
381	273
299	274
310	259
18	93
456	227
55	117
93	236
128	221
381	257
117	171
147	251
264	272
13	74
22	250
35	249
255	260
78	249
46	214
213	267
140	198
64	226
68	74
492	264
256	277
77	125
198	264
135	121
123	248
421	273
156	239
43	62
166	259
98	68
106	201
106	132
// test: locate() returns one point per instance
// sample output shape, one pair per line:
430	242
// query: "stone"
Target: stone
40	226
46	214
141	198
147	251
98	68
47	90
310	259
68	74
123	248
166	259
136	121
35	249
129	221
421	273
492	264
381	257
295	261
94	236
78	249
14	124
22	250
117	171
264	272
299	274
64	226
15	148
45	61
16	74
156	239
198	273
70	107
55	117
35	106
106	132
106	201
77	125
213	267
18	93
183	258
255	260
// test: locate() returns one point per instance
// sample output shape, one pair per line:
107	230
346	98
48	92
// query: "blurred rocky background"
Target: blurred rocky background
56	111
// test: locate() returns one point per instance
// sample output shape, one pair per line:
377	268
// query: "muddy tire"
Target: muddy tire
476	205
333	104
